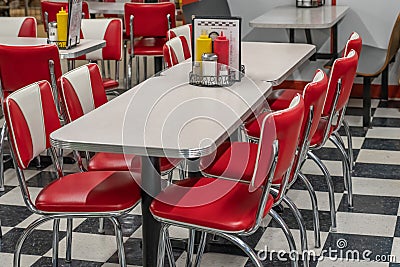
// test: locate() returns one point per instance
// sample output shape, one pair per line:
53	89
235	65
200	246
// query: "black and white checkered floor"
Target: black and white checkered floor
372	228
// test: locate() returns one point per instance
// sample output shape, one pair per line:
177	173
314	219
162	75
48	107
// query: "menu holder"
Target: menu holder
212	27
73	26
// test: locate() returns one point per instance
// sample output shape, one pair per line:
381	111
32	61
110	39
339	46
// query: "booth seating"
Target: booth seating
18	26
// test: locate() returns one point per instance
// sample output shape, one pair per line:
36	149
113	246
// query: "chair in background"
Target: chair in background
109	30
225	206
314	94
18	26
175	51
373	62
183	30
147	26
50	10
37	63
31	116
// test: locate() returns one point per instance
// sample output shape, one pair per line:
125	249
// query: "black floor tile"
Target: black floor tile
37	243
371	204
357	111
281	261
46	261
319	183
13	215
381	144
355	131
332	153
42	179
389	104
370	170
6	190
385	122
397	229
348	246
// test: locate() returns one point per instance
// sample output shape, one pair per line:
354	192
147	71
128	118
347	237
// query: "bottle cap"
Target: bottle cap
221	37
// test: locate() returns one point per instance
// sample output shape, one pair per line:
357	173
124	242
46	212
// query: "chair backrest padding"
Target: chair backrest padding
18	26
176	51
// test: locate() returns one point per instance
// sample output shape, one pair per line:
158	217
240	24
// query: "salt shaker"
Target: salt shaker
52	27
209	64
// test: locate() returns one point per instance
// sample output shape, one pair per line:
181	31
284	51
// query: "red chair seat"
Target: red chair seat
109	83
149	47
90	192
118	162
280	99
212	203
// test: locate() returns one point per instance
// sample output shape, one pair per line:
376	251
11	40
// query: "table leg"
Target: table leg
291	35
334	41
158	64
367	102
151	186
309	41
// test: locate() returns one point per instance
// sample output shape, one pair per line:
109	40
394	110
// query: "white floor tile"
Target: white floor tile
91	247
334	167
116	265
275	239
396	249
354	120
14	197
216	260
6	259
379	156
384	132
377	187
358	103
10	176
5	229
302	199
387	113
174	232
137	210
346	263
366	224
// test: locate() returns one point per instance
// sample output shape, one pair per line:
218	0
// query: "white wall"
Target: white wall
372	19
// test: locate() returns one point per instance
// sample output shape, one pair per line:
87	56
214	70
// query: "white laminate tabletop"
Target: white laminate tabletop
85	46
274	62
164	116
300	18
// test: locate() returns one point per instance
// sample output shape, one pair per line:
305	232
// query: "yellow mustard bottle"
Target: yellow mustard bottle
203	45
62	27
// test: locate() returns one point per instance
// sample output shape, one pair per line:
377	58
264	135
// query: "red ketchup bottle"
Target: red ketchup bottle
221	48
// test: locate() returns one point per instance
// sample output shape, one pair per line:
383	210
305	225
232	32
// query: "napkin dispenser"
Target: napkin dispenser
310	3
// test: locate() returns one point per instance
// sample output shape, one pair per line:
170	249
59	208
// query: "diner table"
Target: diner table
292	17
165	116
85	46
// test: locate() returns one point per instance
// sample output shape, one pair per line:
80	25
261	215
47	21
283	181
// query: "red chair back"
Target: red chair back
343	70
150	20
18	26
184	30
176	50
23	65
82	91
288	123
109	30
31	116
52	9
355	43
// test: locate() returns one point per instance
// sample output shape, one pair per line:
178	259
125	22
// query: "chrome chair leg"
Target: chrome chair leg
242	245
24	235
101	226
346	169
289	237
120	241
56	230
68	254
145	67
302	228
1	232
2	140
168	246
161	245
170	176
349	144
137	70
182	169
190	248
314	204
125	63
38	162
200	251
331	191
129	76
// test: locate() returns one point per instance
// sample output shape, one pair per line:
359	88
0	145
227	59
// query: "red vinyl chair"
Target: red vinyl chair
82	91
147	26
175	51
50	10
314	94
183	30
228	206
109	30
36	63
31	116
18	26
338	92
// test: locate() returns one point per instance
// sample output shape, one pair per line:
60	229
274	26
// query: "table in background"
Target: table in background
292	17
